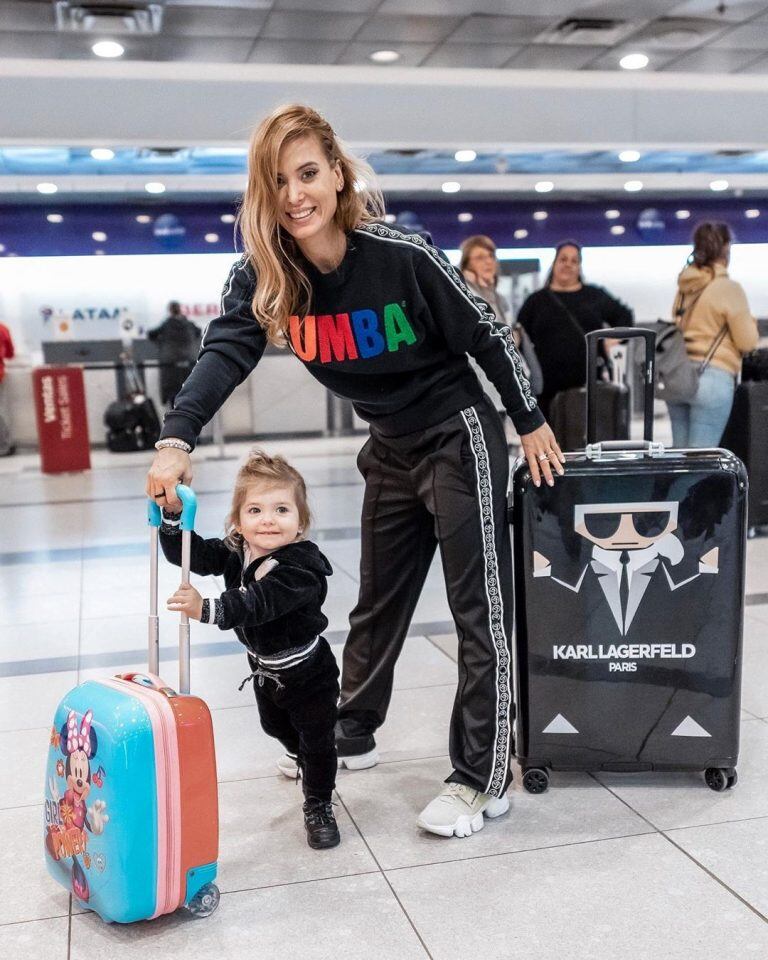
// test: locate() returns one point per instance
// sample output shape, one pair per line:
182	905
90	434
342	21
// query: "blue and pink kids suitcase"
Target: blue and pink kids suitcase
131	805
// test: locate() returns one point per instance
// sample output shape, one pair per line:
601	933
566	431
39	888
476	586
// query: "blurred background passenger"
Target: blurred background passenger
713	313
480	267
557	317
7	352
178	340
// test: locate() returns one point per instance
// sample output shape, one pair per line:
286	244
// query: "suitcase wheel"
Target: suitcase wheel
204	901
719	778
535	780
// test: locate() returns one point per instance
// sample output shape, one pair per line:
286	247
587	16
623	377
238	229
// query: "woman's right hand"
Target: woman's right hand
170	466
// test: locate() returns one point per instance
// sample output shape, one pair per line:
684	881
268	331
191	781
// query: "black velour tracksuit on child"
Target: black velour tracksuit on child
274	606
390	330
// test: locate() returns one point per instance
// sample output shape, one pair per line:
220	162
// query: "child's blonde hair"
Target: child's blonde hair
269	472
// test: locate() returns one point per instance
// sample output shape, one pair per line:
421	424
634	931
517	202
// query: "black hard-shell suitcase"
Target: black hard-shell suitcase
745	435
629	587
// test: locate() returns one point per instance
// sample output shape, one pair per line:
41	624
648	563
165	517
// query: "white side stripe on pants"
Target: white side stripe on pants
501	745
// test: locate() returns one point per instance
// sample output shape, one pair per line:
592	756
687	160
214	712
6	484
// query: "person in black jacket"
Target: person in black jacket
178	340
557	317
276	585
381	318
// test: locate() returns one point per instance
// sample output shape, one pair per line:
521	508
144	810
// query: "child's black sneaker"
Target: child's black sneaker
320	824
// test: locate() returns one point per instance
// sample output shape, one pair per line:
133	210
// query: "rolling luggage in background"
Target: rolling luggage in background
629	587
131	803
745	434
132	422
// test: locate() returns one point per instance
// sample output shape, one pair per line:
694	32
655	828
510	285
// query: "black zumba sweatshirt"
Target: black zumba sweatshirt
279	611
389	329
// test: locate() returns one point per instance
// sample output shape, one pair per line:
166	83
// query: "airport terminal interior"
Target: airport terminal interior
616	126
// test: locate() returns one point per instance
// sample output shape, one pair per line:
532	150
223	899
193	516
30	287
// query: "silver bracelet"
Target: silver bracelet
175	443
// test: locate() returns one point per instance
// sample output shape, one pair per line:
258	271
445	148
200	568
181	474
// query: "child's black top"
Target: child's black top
270	614
389	329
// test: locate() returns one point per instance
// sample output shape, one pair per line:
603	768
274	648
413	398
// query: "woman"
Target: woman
713	312
557	317
380	318
480	267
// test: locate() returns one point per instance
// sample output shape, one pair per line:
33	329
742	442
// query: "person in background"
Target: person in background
480	267
713	312
178	340
7	352
557	317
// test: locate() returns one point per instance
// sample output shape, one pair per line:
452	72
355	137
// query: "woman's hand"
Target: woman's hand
170	466
542	453
186	600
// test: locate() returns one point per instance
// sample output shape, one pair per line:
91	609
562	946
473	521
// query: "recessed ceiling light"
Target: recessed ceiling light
2	248
143	218
47	188
521	234
633	61
211	238
629	156
451	186
384	56
102	153
544	186
752	214
227	218
632	186
465	156
466	217
99	237
682	214
54	218
154	187
617	229
612	214
718	185
108	48
98	253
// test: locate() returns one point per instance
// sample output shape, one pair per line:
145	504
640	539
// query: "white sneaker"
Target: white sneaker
459	810
288	767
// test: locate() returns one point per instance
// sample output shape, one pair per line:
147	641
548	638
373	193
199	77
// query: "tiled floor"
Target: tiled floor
633	867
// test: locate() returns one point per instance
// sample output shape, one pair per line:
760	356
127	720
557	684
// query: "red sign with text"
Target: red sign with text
62	425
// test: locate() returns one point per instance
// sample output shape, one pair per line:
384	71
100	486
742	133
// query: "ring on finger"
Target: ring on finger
542	457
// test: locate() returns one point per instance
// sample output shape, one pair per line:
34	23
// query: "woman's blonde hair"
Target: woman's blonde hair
282	287
269	472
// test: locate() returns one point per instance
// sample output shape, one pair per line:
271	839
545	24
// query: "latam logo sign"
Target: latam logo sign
359	335
64	321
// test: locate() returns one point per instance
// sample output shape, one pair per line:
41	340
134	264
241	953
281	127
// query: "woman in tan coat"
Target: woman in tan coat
713	311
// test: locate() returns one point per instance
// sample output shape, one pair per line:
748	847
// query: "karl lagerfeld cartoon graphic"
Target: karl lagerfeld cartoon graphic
631	541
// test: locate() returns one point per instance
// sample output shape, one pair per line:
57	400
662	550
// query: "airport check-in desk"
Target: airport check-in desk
279	398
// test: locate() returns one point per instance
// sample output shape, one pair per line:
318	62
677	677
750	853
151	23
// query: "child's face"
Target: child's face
269	518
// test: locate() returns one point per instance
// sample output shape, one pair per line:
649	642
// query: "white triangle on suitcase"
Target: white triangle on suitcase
560	725
689	728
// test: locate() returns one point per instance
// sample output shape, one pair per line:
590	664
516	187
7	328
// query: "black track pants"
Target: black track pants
444	486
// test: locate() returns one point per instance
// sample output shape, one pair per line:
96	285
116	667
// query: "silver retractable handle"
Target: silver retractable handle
187	523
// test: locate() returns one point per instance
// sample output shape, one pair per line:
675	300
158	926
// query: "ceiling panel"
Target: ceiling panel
295	51
732	12
481	29
213	22
709	60
621	9
409	29
757	66
200	49
411	54
335	6
477	55
541	56
305	25
29	15
747	36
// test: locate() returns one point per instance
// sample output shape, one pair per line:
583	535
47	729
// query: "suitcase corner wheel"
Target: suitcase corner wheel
205	901
720	778
535	779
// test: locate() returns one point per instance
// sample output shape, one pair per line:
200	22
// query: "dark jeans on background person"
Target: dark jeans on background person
301	714
443	486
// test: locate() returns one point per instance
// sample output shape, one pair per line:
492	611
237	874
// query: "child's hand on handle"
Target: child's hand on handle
170	466
186	600
542	453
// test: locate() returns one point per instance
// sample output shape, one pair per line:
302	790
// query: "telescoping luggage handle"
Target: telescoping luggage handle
621	333
155	518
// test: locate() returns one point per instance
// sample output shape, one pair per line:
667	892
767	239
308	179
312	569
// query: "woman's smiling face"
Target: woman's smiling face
308	189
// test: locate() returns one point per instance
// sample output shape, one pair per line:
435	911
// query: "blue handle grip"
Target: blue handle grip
188	509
